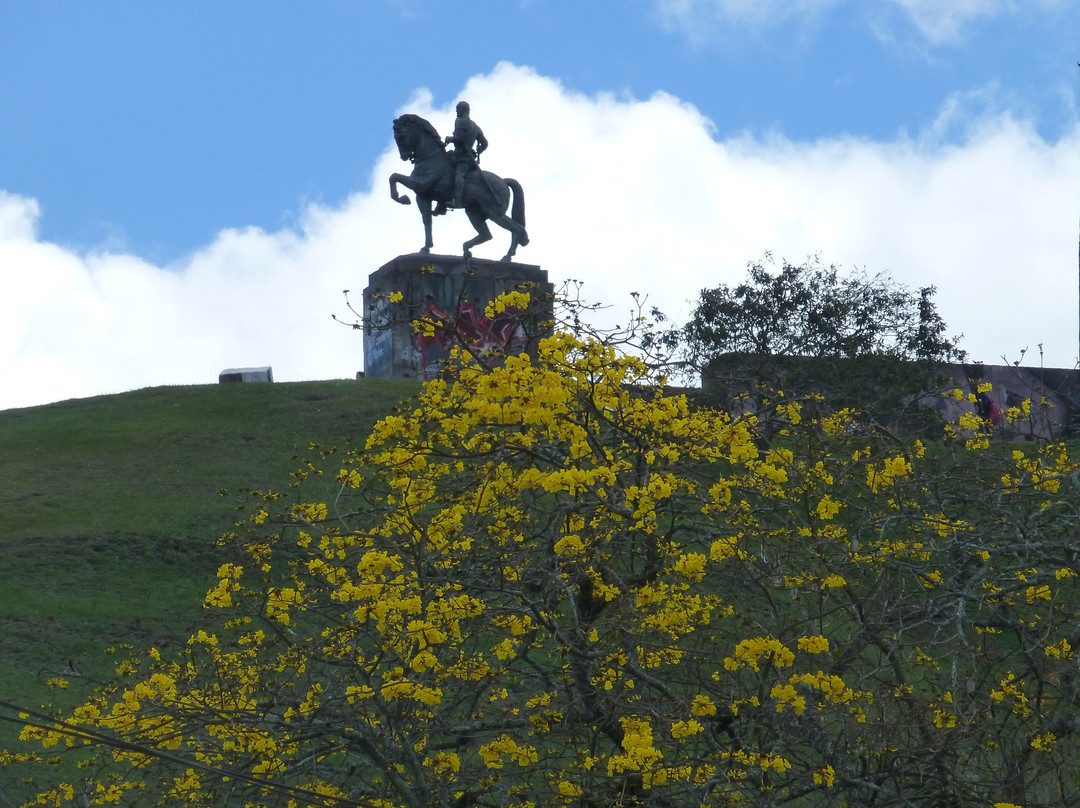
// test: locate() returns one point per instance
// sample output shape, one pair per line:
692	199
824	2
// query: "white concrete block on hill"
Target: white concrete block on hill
263	374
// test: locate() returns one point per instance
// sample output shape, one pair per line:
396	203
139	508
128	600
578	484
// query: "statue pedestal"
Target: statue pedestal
449	289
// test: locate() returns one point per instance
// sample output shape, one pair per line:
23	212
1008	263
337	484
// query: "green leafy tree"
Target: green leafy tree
863	339
811	310
552	581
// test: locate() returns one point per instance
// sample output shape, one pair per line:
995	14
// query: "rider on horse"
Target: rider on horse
432	180
466	133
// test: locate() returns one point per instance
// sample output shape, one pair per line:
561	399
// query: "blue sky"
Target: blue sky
139	139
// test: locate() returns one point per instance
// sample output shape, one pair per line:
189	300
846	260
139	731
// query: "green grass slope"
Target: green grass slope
109	508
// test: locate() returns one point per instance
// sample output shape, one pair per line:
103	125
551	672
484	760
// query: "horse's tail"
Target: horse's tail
517	211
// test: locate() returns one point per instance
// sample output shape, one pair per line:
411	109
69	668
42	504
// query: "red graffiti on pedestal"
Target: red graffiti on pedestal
473	329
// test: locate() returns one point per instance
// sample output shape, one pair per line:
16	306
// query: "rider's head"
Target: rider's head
463	109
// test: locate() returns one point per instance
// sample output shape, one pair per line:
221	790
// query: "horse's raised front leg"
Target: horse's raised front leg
394	180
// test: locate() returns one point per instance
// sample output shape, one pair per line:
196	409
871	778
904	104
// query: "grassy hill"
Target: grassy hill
109	508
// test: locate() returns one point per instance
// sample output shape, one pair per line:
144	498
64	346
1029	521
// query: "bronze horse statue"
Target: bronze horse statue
486	196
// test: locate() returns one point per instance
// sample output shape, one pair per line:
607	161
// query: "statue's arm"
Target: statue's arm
481	141
460	134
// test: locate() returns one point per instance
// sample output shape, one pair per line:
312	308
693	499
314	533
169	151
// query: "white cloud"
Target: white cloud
18	218
937	21
688	14
941	22
699	20
628	195
74	325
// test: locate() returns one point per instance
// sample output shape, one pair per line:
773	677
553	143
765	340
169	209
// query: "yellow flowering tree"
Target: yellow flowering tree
552	581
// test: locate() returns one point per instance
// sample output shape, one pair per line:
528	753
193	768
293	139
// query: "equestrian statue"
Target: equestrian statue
455	180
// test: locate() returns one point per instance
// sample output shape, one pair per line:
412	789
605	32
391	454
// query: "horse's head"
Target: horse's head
403	137
411	132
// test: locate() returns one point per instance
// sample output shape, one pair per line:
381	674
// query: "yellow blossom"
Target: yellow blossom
815	644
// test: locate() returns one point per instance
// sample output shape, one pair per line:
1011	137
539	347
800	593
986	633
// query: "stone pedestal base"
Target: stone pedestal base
447	288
